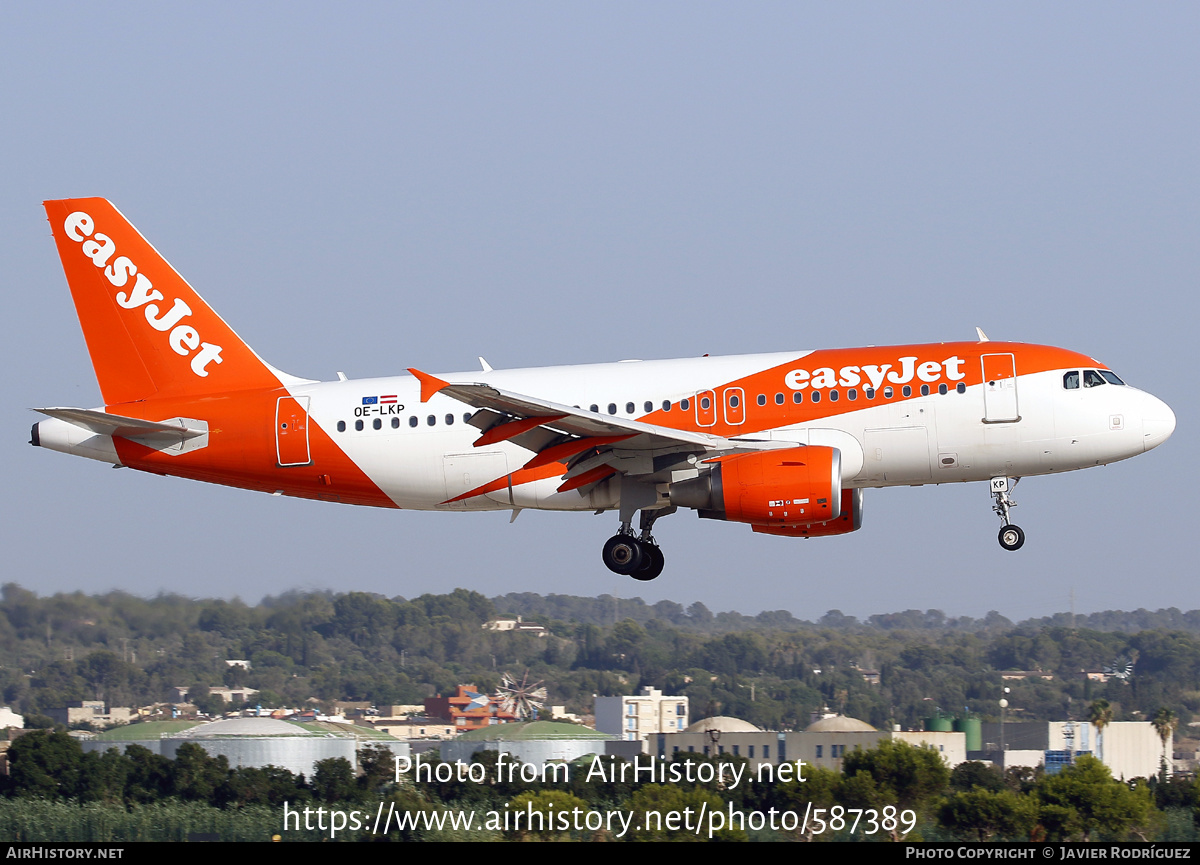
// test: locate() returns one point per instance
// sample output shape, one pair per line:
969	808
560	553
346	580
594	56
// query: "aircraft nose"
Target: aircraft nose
1158	422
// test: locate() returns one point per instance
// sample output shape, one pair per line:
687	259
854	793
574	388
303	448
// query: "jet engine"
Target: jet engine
849	521
788	487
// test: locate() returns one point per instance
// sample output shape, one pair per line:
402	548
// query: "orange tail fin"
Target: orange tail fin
148	332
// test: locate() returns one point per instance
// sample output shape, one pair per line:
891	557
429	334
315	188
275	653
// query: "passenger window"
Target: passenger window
630	408
833	396
594	408
762	399
358	425
683	404
869	392
705	403
852	394
431	420
377	423
1111	377
449	420
797	397
942	389
612	408
395	423
666	405
733	400
467	416
924	390
1091	378
961	387
1071	380
778	399
907	390
888	392
341	426
816	396
412	421
648	406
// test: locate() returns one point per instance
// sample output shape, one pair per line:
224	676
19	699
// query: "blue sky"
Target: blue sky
379	186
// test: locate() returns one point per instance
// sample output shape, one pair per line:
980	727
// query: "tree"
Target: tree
1164	722
1084	798
149	777
911	775
1100	714
989	813
197	775
333	781
378	767
45	765
967	776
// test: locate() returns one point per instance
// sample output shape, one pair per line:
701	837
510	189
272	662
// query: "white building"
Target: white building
642	715
1130	749
823	743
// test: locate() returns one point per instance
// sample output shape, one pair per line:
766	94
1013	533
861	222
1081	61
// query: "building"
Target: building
90	712
411	727
533	742
641	716
256	742
178	694
468	709
1130	749
516	626
823	743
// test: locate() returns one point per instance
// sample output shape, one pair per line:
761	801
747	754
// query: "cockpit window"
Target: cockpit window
1111	377
1092	378
1071	380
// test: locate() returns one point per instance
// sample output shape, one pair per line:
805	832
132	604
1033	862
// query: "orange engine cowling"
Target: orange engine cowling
850	520
786	487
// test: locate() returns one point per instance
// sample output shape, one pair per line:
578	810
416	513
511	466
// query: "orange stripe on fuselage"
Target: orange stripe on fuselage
769	382
520	476
241	450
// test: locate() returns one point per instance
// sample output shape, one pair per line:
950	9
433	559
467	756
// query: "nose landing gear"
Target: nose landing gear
638	557
1011	537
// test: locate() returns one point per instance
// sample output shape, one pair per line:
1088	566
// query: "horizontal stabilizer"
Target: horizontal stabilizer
103	423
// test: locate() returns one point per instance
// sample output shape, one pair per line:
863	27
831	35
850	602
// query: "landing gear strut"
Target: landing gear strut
1011	537
636	556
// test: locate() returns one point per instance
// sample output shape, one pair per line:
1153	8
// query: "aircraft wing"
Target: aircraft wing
592	445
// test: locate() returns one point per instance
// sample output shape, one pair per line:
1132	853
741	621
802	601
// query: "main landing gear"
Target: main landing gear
1011	537
636	556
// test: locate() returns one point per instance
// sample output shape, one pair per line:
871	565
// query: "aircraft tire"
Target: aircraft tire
652	564
622	554
1012	538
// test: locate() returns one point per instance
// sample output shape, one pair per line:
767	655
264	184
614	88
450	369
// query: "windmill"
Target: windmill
522	699
1121	667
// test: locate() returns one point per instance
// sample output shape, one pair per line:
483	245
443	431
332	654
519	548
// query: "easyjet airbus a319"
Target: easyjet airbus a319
785	443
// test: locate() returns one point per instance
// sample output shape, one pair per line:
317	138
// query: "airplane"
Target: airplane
785	443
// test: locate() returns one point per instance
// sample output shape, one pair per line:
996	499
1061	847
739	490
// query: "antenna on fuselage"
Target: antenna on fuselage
983	337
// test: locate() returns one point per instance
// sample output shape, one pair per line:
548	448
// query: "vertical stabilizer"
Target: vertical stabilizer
148	332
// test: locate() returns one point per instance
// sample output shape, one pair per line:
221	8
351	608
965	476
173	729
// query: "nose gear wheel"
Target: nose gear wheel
1011	537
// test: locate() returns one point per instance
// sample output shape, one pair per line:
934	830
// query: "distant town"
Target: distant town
335	698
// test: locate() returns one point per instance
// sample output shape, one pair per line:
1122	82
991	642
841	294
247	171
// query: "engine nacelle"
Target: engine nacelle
849	521
786	487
